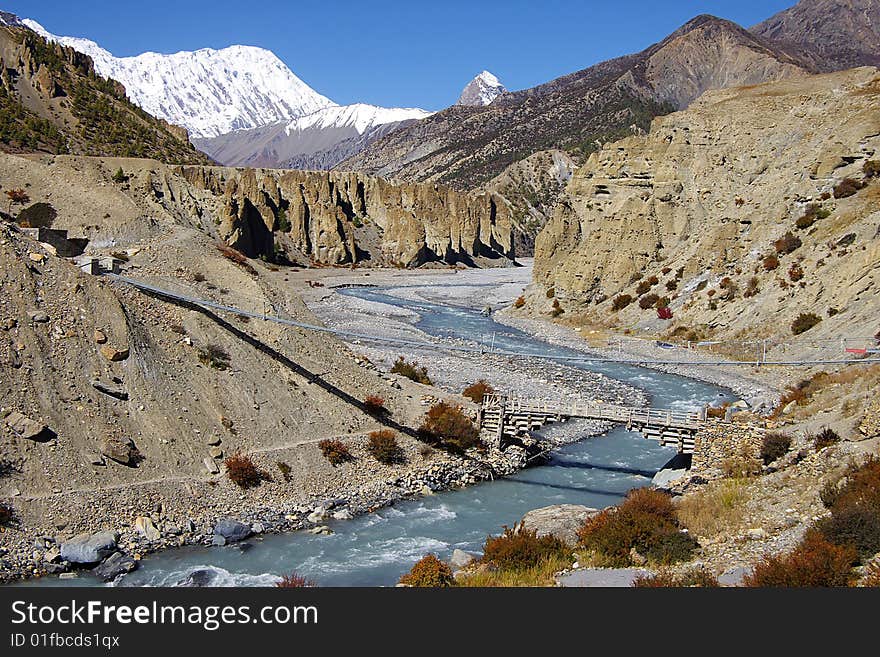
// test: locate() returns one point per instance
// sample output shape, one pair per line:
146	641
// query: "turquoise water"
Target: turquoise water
375	549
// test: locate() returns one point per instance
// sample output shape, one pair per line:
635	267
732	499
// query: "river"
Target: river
375	549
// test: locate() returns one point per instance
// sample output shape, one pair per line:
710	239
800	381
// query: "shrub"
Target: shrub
284	469
814	562
214	356
871	168
795	272
429	572
294	581
448	425
199	277
671	284
476	391
774	446
18	197
243	472
520	302
860	486
642	287
648	301
831	312
620	302
717	412
692	577
7	515
520	548
788	243
804	322
653	280
119	177
335	451
383	447
751	287
672	547
550	293
770	263
411	371
847	187
741	465
375	404
642	522
854	526
825	438
236	256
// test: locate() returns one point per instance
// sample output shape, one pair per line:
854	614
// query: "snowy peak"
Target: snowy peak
209	92
359	116
482	90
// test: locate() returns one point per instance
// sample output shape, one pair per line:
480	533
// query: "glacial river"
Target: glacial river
375	549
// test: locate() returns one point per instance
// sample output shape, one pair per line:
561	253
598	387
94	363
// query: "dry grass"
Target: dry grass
540	575
716	509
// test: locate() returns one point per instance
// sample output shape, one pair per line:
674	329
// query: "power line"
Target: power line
439	346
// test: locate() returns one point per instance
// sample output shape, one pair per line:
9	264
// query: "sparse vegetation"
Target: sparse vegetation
770	263
383	447
237	257
411	371
752	287
294	581
215	356
550	293
718	508
847	187
774	446
429	572
450	427
741	465
520	302
795	272
199	277
648	301
642	287
788	243
815	562
643	523
804	322
557	309
518	548
621	301
284	469
243	472
335	451
119	177
476	391
375	405
825	438
16	196
690	578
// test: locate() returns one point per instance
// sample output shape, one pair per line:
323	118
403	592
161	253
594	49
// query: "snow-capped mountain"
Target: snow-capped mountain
482	90
316	141
209	92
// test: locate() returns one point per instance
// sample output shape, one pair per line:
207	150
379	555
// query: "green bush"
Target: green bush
411	371
774	446
429	572
520	548
672	547
120	177
804	322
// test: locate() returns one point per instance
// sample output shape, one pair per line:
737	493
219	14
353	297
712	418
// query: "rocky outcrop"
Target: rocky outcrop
705	195
345	218
560	520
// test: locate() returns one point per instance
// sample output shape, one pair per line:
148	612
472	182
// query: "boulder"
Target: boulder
232	530
215	453
38	317
110	389
29	429
121	450
112	354
144	525
99	336
115	565
560	520
89	548
461	559
210	465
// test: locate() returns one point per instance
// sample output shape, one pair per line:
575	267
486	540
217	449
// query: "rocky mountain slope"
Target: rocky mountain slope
481	91
319	140
318	217
749	208
833	34
53	100
467	146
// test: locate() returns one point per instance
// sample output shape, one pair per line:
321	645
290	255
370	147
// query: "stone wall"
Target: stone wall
870	426
719	441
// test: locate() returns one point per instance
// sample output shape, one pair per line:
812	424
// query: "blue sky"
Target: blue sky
407	53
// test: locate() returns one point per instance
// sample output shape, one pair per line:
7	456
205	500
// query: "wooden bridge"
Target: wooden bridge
506	416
